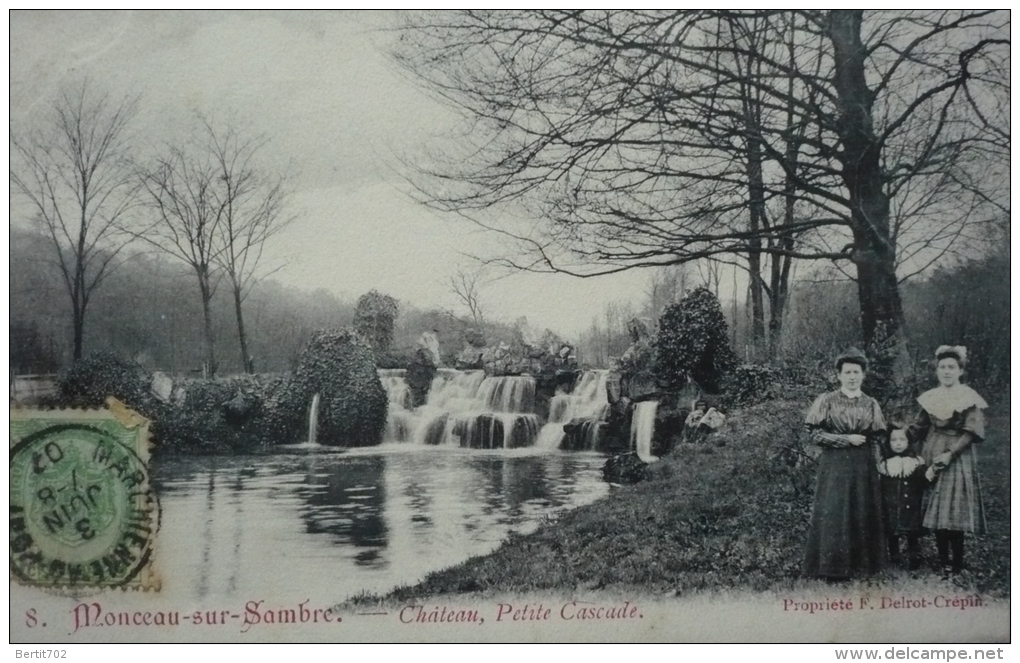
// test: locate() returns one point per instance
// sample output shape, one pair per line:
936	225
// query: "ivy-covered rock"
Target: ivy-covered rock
625	468
339	366
239	414
95	377
693	343
374	318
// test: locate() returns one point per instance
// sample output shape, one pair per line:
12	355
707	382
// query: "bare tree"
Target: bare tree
661	137
189	216
251	199
465	286
76	172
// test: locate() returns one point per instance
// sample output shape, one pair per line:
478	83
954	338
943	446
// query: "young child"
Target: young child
903	484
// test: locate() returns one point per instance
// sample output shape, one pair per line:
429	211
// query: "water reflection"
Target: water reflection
345	498
330	525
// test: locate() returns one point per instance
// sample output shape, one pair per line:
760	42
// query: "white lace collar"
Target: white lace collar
902	466
942	402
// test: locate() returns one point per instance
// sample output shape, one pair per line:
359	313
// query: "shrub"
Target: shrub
339	366
693	343
92	379
751	383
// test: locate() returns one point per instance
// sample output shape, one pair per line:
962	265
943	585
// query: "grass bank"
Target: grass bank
723	516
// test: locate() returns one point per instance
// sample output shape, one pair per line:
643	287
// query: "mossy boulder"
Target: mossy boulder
225	415
99	375
339	366
238	414
625	468
420	372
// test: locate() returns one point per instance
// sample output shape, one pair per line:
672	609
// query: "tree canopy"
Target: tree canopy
642	138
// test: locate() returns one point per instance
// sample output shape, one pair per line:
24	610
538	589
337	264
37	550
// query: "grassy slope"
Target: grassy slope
712	518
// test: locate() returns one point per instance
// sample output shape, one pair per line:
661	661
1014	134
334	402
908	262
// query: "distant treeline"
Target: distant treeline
149	311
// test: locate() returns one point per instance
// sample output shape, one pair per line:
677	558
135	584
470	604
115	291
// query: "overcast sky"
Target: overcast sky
339	115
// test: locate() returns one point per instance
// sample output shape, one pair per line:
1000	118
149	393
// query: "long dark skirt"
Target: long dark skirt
846	536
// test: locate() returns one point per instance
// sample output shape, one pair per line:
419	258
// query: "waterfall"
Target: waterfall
399	418
463	408
642	428
313	421
588	401
508	394
470	409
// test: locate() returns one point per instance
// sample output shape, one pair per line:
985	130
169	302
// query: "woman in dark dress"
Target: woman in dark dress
846	535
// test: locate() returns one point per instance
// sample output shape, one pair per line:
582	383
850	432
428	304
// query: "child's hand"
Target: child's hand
930	474
881	468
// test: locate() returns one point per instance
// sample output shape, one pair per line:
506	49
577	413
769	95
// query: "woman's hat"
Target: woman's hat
957	352
853	356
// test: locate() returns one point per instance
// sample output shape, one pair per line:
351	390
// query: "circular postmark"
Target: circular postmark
80	509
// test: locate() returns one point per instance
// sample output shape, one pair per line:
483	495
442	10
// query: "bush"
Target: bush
693	343
340	367
92	379
751	383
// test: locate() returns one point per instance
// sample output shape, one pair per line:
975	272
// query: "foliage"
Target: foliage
340	367
748	384
374	318
98	375
966	305
693	341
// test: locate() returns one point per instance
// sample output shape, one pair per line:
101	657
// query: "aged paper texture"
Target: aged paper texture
409	327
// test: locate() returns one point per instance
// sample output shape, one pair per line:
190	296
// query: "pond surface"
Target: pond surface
327	525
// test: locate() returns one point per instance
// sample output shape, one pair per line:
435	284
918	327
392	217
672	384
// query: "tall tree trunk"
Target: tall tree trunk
779	288
210	349
78	329
874	253
242	337
756	202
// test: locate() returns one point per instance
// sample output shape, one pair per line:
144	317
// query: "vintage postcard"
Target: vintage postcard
528	326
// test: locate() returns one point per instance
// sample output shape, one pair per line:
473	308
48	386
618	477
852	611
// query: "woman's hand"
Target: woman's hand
856	440
942	460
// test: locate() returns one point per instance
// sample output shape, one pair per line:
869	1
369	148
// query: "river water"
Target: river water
325	525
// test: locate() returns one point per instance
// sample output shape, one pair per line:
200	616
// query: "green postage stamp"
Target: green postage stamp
82	510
